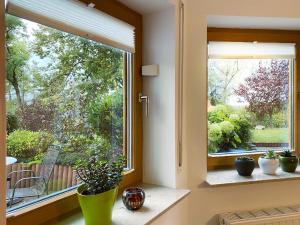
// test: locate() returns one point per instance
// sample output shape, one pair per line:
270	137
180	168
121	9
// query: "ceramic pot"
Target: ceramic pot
244	167
288	164
97	209
268	166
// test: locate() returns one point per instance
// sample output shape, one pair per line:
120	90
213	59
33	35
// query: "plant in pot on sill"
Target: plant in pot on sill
244	165
268	162
288	161
98	192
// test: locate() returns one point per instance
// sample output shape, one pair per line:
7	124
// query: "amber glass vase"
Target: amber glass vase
133	198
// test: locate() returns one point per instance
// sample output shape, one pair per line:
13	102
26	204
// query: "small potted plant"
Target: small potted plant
269	162
244	165
98	192
288	161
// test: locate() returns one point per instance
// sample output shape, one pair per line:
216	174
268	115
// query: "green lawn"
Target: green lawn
270	135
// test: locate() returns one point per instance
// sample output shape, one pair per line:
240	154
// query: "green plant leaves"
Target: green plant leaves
227	128
100	175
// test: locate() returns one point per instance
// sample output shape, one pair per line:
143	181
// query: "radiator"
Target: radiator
273	216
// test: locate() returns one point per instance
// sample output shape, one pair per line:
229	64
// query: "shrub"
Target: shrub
229	137
214	132
36	116
27	145
279	120
219	114
228	129
106	117
242	127
214	137
11	122
222	136
81	147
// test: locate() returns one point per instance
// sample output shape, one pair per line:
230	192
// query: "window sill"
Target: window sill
231	177
158	200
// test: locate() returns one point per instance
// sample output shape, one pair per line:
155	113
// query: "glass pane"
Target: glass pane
249	105
61	90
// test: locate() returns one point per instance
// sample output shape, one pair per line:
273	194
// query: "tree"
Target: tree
221	75
266	90
104	114
77	62
17	54
78	74
66	85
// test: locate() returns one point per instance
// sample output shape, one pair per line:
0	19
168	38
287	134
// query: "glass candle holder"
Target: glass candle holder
133	198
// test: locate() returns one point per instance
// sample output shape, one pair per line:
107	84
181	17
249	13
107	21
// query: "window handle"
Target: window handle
145	99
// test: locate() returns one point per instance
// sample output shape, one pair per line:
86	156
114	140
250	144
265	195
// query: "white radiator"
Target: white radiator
273	216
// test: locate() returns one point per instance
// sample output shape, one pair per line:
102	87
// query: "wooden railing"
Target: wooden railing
62	177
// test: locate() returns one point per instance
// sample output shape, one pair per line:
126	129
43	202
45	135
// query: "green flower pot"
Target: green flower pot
97	209
288	164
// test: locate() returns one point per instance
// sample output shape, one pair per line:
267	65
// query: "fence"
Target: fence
272	145
62	177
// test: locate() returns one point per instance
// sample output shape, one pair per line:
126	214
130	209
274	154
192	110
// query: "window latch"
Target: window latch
144	99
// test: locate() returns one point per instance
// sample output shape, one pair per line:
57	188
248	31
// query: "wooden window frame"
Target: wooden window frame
53	208
259	35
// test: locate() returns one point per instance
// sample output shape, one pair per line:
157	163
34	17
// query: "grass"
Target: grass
270	135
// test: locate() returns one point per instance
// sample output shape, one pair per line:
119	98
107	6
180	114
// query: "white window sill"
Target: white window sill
158	200
231	177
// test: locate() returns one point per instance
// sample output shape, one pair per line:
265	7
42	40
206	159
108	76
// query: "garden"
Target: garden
248	101
63	90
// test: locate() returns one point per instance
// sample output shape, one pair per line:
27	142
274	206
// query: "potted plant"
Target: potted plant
98	192
288	161
269	162
244	165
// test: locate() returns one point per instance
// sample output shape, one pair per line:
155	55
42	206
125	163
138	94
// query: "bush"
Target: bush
82	147
214	137
223	136
11	122
106	117
27	145
227	129
242	127
219	114
279	120
36	116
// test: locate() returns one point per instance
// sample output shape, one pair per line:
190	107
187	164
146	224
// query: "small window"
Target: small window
250	97
62	91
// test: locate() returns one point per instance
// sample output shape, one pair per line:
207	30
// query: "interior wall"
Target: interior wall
159	127
175	216
206	202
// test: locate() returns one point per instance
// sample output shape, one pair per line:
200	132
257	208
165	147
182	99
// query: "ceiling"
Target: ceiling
146	6
253	22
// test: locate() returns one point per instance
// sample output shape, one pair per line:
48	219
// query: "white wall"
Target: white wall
159	136
159	127
206	202
175	216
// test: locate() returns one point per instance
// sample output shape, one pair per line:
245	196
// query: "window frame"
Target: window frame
53	208
259	35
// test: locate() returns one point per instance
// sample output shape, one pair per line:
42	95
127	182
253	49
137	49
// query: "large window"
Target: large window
64	92
73	79
250	97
